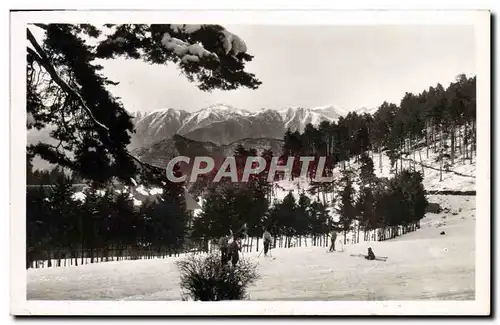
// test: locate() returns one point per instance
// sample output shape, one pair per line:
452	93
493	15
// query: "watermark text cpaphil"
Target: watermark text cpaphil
253	166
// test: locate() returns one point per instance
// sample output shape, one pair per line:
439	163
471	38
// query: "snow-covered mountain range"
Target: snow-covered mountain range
223	124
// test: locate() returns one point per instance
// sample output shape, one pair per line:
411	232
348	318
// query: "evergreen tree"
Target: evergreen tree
92	127
62	211
302	221
287	215
346	209
38	225
320	217
367	171
365	206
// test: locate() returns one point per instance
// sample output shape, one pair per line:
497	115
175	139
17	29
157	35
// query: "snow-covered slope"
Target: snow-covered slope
162	124
461	177
422	265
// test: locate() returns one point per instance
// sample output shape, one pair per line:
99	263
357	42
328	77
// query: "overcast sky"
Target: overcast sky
308	66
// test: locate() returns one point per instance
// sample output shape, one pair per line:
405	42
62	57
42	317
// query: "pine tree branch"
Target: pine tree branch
42	26
44	61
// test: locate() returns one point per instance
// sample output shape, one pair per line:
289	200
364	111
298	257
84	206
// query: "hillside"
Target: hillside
460	177
426	264
161	152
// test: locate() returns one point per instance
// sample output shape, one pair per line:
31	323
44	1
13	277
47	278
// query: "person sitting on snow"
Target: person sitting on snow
371	255
267	241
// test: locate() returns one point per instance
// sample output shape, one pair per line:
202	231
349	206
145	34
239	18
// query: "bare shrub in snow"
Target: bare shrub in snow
203	278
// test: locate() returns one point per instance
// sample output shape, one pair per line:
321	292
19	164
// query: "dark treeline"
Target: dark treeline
382	208
103	225
388	207
50	177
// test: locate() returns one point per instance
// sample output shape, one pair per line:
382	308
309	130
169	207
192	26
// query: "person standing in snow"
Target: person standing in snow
333	239
224	249
234	249
266	237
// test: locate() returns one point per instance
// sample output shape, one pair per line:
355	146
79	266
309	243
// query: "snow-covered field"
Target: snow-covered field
420	265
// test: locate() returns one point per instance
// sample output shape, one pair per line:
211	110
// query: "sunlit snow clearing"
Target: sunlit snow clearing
420	265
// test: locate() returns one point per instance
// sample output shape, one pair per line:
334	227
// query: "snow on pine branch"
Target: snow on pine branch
185	28
187	52
194	52
233	43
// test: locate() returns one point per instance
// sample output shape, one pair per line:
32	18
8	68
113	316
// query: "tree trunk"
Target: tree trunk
474	143
460	139
441	169
434	139
49	259
396	165
453	144
82	256
464	140
427	138
401	157
380	158
421	164
415	156
441	160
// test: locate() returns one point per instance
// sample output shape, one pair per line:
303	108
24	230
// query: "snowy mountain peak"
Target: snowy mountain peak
222	109
365	110
331	111
212	114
